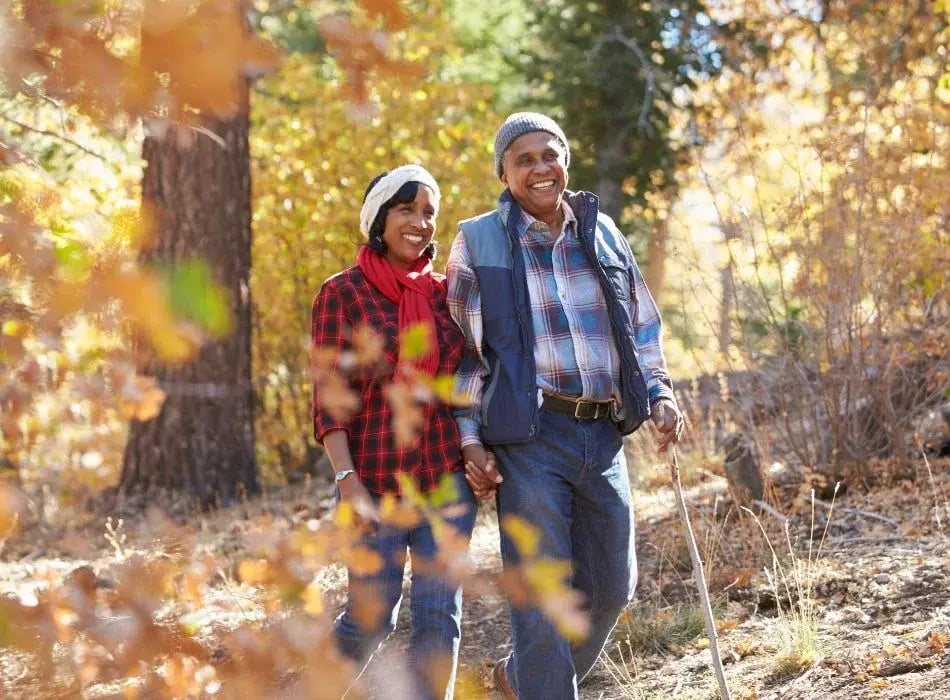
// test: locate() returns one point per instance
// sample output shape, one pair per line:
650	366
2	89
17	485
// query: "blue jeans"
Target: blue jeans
436	604
571	483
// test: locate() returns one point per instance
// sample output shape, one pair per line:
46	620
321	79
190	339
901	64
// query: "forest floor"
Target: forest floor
879	593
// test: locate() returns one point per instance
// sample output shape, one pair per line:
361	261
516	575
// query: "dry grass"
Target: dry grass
644	630
794	582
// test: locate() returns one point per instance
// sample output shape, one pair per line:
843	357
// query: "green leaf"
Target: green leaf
446	493
73	260
194	294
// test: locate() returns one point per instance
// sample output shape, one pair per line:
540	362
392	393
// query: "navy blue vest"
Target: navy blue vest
510	395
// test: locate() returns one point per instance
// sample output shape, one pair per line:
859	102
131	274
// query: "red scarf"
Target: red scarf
412	292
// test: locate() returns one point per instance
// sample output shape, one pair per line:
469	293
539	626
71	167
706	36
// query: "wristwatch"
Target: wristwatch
341	475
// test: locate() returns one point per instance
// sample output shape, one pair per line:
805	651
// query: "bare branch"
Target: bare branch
643	122
53	135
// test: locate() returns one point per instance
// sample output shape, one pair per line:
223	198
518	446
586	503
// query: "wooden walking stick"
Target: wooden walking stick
699	577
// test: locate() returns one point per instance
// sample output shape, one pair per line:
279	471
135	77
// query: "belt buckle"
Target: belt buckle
596	414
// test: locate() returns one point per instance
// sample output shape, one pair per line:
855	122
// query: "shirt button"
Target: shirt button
636	374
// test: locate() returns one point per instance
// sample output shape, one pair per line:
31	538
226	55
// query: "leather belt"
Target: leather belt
582	410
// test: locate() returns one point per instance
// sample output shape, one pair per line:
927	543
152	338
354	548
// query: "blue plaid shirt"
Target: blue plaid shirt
575	352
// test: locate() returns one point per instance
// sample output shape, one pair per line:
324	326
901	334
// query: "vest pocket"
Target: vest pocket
618	276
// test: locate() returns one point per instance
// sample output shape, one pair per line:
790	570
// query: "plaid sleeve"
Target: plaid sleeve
648	338
328	328
465	304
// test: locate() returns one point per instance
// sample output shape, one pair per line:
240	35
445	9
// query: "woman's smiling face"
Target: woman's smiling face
410	227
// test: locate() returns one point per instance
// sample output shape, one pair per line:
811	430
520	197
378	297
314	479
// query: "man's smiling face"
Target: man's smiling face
534	170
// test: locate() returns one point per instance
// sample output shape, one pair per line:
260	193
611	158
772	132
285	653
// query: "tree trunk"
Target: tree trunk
201	444
655	276
728	284
608	162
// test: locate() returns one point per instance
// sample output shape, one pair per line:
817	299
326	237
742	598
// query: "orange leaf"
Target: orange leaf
390	11
364	561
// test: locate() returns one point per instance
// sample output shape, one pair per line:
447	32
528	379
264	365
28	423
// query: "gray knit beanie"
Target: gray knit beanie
521	123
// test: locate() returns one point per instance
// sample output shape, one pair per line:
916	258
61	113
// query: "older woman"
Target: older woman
390	289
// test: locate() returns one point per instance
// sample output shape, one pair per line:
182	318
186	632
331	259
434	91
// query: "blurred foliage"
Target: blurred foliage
74	77
91	55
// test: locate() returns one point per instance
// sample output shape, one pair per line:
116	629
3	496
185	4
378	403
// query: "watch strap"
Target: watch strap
341	475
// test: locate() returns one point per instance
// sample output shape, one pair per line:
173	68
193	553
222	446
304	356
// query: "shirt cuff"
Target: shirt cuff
661	391
469	430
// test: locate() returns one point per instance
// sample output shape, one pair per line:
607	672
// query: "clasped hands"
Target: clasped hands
481	471
481	468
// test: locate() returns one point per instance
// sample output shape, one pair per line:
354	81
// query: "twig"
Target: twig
798	682
771	511
856	511
847	541
211	135
699	577
53	135
643	122
933	485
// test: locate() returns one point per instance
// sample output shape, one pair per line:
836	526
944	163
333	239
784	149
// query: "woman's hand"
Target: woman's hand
352	490
481	471
355	493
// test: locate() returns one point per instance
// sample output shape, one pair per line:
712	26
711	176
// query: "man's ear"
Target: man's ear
503	177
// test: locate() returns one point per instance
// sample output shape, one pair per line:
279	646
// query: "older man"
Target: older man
563	358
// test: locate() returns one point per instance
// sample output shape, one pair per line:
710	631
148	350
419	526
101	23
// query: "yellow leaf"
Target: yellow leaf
398	512
409	488
312	597
525	536
344	516
414	342
548	576
254	571
150	400
16	329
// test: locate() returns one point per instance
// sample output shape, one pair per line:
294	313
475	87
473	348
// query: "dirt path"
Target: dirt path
881	599
880	594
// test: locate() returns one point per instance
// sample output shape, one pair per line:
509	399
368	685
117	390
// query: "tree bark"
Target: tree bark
655	276
201	444
608	161
728	284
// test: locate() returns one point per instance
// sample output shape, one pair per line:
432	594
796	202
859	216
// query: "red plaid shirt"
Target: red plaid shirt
347	301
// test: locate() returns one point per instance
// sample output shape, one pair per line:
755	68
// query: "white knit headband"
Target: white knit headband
388	186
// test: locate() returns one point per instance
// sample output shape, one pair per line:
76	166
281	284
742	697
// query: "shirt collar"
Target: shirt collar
528	222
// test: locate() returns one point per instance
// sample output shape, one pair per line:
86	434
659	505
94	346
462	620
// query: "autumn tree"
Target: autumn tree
617	76
197	183
73	278
824	170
